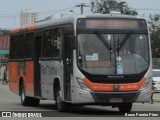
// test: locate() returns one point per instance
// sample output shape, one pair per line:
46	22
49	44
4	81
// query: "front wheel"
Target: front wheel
125	107
61	106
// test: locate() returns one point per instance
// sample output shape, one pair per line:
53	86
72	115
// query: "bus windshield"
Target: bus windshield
113	54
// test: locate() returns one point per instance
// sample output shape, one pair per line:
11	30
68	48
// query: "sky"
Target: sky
10	9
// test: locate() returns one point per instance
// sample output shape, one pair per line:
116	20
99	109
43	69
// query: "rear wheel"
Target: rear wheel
24	99
27	101
125	107
34	101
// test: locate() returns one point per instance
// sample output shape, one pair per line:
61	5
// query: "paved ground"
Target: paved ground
156	97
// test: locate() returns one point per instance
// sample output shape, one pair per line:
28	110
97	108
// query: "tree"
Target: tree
154	22
106	6
155	35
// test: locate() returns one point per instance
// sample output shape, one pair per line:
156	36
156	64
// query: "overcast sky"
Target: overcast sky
49	7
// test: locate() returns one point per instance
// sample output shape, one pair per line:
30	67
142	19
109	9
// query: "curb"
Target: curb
157	100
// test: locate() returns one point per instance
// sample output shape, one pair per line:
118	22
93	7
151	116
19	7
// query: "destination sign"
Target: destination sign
130	24
117	24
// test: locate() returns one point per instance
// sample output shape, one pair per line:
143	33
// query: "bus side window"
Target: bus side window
21	46
13	47
51	43
29	45
38	44
56	42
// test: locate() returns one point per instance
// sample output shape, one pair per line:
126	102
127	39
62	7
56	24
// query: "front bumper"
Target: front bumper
80	96
105	97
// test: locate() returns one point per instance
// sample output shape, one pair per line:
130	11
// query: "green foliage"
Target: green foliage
3	60
155	22
155	42
106	6
155	35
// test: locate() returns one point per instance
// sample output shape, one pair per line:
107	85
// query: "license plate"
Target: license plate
116	100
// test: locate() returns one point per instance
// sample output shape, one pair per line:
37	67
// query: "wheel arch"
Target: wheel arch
56	83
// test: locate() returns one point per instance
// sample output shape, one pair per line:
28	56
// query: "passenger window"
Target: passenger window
21	46
29	45
51	43
13	47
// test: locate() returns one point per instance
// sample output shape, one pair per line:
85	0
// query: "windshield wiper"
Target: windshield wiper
125	39
103	40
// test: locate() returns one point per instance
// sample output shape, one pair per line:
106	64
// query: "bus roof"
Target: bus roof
66	19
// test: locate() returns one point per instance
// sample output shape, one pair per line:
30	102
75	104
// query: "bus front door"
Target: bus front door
68	65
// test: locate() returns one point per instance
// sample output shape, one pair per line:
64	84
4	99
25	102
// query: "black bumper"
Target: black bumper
103	97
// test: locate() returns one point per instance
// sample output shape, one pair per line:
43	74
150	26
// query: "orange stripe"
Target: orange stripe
32	27
109	87
16	30
98	86
132	86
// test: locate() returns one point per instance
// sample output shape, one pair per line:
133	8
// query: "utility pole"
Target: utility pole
82	5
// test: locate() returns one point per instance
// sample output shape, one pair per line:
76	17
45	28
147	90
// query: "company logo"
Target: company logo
116	87
21	114
101	87
6	114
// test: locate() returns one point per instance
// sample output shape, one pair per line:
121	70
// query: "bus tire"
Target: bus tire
61	106
35	101
125	107
25	101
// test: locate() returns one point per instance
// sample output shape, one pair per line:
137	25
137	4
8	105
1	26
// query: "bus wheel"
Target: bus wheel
61	106
25	101
34	101
125	107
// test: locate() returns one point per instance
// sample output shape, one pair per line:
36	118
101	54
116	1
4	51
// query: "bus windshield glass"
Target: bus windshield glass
113	54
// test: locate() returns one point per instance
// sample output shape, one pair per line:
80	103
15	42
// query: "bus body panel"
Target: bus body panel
50	70
80	96
29	78
13	77
24	70
145	95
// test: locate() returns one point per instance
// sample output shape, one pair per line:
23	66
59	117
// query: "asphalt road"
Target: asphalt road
11	102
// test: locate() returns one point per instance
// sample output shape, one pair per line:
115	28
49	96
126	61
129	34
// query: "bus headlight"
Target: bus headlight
82	84
146	84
